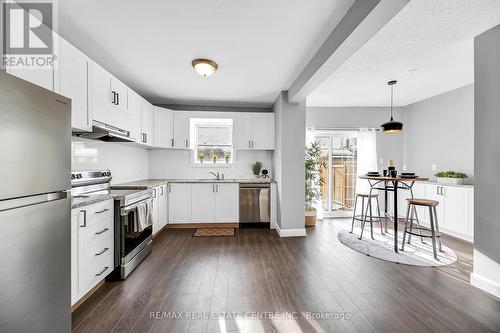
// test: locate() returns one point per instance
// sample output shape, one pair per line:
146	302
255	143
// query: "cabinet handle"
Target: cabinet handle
437	190
187	143
84	219
442	190
104	250
169	189
102	272
249	144
171	142
161	193
217	188
145	137
102	211
101	232
113	94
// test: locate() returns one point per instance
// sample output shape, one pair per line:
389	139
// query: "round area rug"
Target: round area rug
382	247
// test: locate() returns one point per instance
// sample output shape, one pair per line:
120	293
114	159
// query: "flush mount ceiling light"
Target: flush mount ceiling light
204	67
392	126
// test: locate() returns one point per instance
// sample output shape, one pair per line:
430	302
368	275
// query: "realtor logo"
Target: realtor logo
27	28
27	34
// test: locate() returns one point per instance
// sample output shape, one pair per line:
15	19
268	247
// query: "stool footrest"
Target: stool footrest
438	234
374	218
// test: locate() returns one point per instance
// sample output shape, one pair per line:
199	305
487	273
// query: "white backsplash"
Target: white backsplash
177	164
126	162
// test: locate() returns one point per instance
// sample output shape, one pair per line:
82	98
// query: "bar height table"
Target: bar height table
374	182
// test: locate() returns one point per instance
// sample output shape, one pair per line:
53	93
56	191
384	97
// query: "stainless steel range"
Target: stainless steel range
131	246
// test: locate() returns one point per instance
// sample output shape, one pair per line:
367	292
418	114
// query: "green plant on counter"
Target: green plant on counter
256	168
450	174
214	157
227	156
201	157
313	176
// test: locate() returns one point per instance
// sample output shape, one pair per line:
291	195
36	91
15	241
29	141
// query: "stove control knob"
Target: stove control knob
79	176
108	173
72	176
103	174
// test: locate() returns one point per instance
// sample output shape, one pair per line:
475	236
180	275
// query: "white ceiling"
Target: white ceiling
427	47
260	45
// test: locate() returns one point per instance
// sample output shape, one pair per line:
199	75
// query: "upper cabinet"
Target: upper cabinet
71	80
109	99
181	130
135	110
147	136
253	131
163	127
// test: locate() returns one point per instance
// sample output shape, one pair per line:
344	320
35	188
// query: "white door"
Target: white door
203	203
433	192
75	244
163	127
119	91
242	131
134	108
102	109
227	204
179	203
147	123
263	131
72	82
181	130
456	209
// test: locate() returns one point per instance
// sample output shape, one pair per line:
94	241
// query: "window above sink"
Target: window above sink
212	140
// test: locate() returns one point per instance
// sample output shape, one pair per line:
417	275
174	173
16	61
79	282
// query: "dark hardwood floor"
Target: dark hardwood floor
286	279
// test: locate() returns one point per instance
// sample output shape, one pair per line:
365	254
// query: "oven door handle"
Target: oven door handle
124	212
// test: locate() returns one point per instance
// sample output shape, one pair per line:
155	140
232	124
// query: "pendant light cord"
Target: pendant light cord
392	99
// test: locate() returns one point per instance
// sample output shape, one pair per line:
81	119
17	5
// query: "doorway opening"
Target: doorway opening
339	171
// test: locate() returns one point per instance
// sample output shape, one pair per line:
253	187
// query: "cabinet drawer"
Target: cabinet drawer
98	269
99	230
99	211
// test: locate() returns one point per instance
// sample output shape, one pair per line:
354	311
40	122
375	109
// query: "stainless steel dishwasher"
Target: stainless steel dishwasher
255	203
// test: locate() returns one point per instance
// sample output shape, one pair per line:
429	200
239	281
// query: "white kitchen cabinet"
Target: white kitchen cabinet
72	80
41	77
456	209
147	136
134	108
160	208
179	203
109	99
203	203
434	192
182	129
227	202
163	127
253	131
92	247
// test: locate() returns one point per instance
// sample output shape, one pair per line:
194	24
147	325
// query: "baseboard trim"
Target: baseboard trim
290	232
485	284
86	296
202	225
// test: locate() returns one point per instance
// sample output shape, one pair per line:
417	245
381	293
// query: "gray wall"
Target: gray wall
486	144
288	162
389	145
440	130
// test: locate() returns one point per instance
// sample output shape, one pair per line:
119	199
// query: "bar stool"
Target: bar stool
364	214
434	225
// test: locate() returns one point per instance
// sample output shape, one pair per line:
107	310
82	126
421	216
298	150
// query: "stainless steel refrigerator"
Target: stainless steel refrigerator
35	168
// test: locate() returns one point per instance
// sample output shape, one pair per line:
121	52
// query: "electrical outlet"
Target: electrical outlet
404	167
434	167
381	161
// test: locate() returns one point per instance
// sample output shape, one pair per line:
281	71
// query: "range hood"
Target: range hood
104	132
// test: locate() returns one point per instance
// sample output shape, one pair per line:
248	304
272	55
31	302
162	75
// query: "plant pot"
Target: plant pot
311	217
450	181
256	176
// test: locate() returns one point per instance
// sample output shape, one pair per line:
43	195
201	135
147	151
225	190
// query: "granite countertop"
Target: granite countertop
78	201
150	183
434	182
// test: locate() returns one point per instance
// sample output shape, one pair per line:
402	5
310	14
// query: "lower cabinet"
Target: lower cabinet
455	211
92	247
203	202
160	208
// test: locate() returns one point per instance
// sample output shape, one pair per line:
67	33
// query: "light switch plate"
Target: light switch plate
434	167
381	161
404	167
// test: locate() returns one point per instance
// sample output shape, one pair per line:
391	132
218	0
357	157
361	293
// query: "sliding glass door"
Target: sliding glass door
339	157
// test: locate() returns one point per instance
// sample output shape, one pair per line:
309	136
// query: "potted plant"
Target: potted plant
201	157
227	156
214	157
313	181
450	177
256	168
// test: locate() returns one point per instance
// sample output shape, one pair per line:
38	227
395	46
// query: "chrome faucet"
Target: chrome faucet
217	175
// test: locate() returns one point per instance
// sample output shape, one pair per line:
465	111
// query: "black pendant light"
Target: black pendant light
392	126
